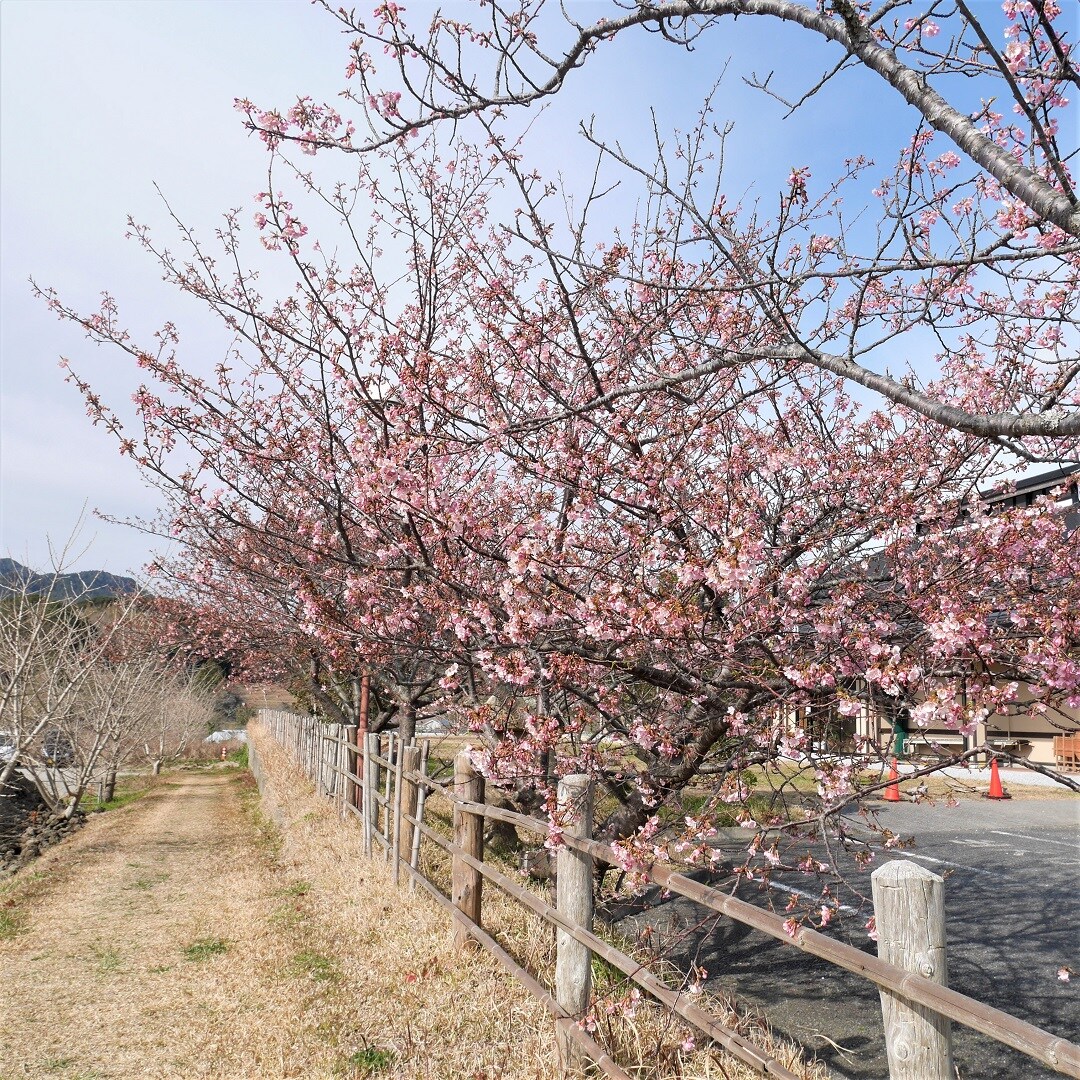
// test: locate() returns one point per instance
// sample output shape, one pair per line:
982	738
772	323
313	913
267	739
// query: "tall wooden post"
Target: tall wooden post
334	762
574	890
349	760
386	782
414	856
909	911
466	882
371	746
410	764
322	755
399	765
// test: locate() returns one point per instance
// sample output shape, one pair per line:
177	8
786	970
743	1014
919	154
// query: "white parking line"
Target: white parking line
1037	839
946	862
807	895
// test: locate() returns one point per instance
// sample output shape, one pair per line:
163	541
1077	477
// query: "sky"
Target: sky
101	101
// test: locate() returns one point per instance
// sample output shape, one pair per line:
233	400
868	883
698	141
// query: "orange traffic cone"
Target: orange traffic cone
223	753
892	792
996	791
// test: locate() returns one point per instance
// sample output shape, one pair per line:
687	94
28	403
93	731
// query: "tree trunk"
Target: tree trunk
407	724
8	769
664	778
109	792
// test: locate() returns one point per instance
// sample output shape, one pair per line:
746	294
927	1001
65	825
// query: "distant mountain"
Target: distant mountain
84	585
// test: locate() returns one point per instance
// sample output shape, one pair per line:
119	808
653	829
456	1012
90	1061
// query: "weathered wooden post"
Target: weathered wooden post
399	764
414	857
386	781
410	765
333	759
340	768
467	882
574	892
328	748
371	747
909	912
322	734
351	757
376	781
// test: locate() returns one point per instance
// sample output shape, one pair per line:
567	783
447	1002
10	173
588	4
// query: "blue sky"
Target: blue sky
101	101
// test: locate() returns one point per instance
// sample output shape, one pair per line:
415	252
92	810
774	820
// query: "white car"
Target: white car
7	746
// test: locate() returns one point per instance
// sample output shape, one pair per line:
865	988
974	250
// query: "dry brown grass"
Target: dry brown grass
398	985
648	1040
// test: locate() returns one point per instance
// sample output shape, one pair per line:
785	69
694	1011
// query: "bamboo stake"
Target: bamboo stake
396	856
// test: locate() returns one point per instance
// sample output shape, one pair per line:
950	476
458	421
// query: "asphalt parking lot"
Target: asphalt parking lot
1012	873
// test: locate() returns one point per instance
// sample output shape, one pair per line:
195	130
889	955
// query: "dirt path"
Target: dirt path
186	936
143	947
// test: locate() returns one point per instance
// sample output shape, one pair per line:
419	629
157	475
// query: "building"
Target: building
884	723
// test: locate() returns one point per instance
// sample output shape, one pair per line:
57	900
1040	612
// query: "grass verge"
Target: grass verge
129	789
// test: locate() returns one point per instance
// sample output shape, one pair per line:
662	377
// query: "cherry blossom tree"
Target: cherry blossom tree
975	195
604	494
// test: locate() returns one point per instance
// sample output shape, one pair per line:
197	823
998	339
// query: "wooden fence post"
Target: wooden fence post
399	765
410	763
414	855
909	912
337	768
321	735
371	746
341	765
467	883
574	892
329	749
387	777
348	763
351	763
333	757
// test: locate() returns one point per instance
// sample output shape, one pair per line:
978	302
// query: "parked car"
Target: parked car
7	747
57	750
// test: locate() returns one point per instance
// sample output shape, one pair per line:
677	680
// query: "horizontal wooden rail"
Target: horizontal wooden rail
1059	1054
729	1039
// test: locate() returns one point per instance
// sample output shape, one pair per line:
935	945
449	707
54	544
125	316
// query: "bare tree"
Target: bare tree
175	715
71	686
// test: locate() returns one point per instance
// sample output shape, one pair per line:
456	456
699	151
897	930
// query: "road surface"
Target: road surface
1012	918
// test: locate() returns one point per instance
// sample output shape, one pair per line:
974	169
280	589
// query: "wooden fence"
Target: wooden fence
385	785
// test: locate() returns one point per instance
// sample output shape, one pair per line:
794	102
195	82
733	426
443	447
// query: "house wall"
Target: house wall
1023	733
